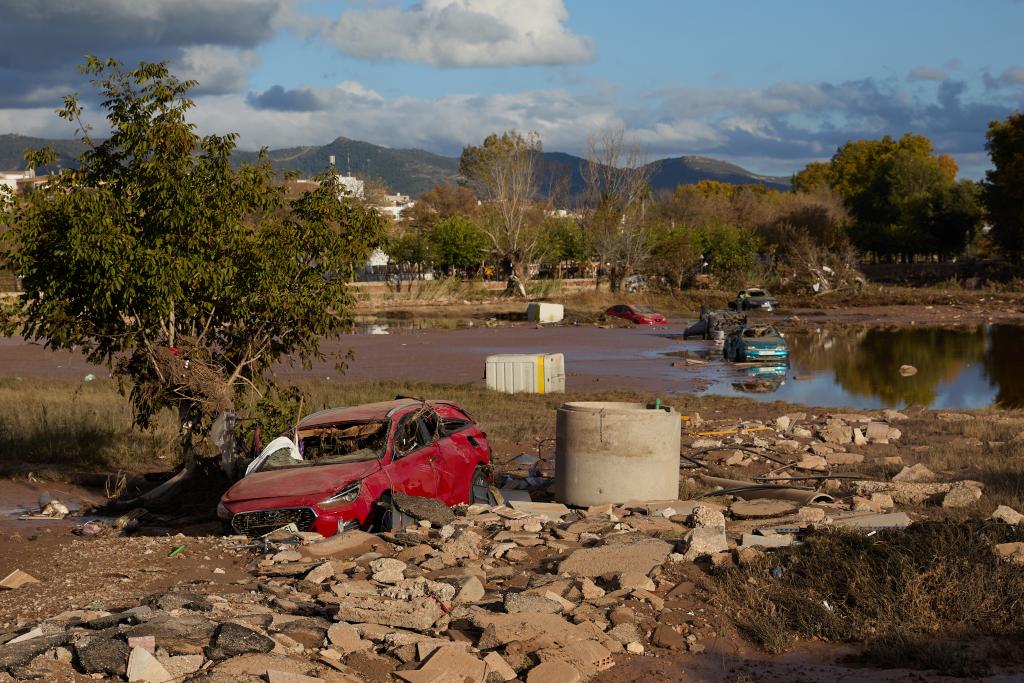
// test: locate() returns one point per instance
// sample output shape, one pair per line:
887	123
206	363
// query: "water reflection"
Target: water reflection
963	367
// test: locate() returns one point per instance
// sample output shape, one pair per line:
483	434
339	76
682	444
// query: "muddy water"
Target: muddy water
963	367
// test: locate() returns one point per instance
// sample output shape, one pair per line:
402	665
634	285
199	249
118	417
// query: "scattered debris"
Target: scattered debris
17	579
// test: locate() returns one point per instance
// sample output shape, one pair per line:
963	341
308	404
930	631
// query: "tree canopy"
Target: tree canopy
1004	184
189	278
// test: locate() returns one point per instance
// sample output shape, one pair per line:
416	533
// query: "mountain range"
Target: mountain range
413	171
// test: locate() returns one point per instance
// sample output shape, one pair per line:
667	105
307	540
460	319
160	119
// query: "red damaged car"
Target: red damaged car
338	470
638	315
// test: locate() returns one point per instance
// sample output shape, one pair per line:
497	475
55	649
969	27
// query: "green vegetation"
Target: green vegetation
1004	184
186	277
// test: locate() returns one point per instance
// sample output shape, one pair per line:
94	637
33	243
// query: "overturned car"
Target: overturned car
341	466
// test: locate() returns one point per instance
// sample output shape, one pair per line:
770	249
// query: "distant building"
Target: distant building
11	179
354	187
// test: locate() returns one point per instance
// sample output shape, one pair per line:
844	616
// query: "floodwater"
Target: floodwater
963	367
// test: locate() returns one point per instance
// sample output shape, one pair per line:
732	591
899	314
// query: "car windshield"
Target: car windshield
333	444
643	309
757	292
758	332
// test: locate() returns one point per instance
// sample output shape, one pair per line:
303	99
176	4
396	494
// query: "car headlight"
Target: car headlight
223	512
342	497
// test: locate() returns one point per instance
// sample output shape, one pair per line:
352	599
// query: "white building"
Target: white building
10	178
354	187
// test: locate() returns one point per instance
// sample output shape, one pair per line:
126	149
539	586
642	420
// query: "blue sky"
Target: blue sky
768	85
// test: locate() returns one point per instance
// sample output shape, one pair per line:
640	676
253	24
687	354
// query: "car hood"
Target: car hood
299	481
764	342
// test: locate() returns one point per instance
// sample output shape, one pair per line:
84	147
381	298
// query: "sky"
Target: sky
768	85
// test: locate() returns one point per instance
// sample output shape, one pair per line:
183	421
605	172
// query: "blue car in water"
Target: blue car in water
755	342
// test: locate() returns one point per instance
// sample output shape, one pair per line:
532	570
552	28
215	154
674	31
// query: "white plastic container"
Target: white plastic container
539	312
535	373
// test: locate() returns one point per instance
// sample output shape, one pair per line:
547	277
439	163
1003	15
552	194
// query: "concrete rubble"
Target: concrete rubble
523	590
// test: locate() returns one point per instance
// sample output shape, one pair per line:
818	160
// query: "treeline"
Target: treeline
884	200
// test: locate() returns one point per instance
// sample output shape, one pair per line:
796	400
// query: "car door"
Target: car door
412	469
454	461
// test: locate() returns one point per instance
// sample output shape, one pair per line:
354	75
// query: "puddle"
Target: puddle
969	367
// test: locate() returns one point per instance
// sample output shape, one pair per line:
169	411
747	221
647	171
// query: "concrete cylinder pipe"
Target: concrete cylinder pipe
615	452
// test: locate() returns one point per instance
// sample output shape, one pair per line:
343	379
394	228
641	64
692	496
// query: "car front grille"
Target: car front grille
262	521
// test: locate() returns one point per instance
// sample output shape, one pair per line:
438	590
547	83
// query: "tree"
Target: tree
457	243
503	172
1003	187
188	278
617	184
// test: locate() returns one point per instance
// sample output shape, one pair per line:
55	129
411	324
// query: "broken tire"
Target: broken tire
480	489
390	518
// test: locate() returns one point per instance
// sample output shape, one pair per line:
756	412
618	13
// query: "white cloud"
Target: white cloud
217	69
458	33
926	73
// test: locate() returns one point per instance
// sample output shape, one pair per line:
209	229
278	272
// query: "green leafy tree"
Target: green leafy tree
1004	184
190	279
564	240
457	243
727	249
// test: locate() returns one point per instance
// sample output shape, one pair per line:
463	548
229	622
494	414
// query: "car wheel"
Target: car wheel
389	517
480	489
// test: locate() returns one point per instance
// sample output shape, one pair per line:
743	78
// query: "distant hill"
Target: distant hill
413	171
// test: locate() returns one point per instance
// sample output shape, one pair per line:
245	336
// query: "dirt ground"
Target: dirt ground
111	572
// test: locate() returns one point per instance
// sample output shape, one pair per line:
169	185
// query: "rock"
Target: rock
704	541
883	500
274	676
428	509
586	656
893	434
773	541
553	671
641	556
468	589
1011	552
960	495
907	371
346	545
17	579
345	638
103	656
447	664
635	648
173	601
844	458
955	417
811	515
286	556
858	437
631	580
701	444
180	666
388	570
231	640
783	423
180	634
1008	515
622	615
500	629
911	493
862	504
665	636
746	555
916	474
527	602
418	614
891	415
143	666
836	433
625	633
814	463
705	516
496	664
321	573
19	654
756	509
590	590
134	615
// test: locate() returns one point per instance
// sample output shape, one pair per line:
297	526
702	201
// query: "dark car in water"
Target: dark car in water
754	298
339	469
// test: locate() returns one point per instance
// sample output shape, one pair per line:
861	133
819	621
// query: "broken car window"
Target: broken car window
343	442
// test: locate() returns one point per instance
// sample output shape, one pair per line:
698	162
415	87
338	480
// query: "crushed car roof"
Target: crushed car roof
367	412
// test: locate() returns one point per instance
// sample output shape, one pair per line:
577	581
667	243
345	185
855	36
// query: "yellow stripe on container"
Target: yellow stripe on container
540	373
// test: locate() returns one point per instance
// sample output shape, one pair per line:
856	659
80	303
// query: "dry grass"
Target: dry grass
896	587
78	425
